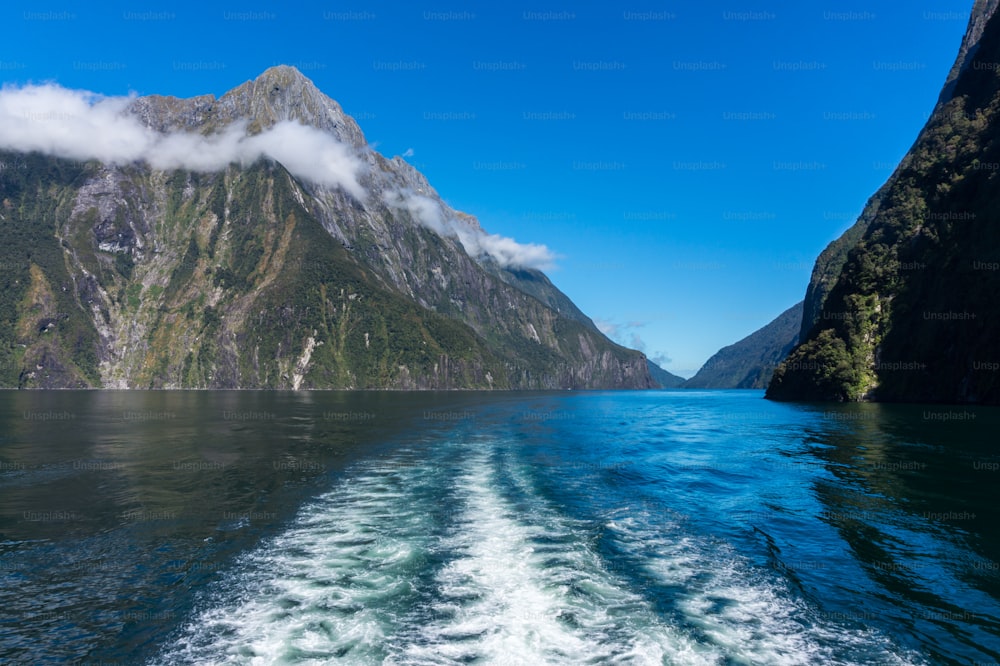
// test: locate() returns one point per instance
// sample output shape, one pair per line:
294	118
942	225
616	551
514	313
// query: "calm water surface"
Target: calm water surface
674	527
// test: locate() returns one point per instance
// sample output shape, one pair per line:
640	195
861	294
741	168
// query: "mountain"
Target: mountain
749	363
663	378
831	261
257	241
903	306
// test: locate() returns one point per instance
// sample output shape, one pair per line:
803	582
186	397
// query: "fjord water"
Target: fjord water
674	527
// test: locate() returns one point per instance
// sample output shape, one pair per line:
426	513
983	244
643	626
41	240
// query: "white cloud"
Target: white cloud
607	327
80	125
423	209
659	358
505	251
509	253
308	153
627	335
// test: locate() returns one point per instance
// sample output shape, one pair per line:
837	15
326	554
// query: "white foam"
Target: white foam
325	589
460	559
751	617
508	600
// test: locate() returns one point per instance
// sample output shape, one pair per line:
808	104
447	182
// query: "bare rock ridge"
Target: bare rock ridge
258	275
982	12
280	93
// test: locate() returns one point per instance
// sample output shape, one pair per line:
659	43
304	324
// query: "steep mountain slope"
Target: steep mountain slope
749	363
663	378
256	274
910	313
831	261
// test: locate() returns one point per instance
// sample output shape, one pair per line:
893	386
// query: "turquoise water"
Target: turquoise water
673	527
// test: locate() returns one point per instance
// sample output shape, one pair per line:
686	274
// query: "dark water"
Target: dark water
683	527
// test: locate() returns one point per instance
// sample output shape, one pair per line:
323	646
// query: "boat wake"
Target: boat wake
454	557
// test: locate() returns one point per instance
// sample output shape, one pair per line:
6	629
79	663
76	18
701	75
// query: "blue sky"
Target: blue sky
686	161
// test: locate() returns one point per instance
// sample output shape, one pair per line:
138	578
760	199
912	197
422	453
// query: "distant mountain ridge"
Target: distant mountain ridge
664	378
749	363
325	267
903	306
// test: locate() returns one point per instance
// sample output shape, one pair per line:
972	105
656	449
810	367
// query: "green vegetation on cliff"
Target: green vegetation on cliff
911	315
46	335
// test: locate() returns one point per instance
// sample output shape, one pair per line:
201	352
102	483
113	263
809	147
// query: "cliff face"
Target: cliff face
982	12
831	261
749	363
127	275
903	307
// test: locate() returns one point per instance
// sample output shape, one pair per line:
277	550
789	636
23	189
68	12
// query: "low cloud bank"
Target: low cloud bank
80	125
505	251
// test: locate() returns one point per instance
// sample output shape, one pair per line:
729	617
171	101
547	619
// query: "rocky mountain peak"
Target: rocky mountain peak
982	12
280	93
285	76
284	93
